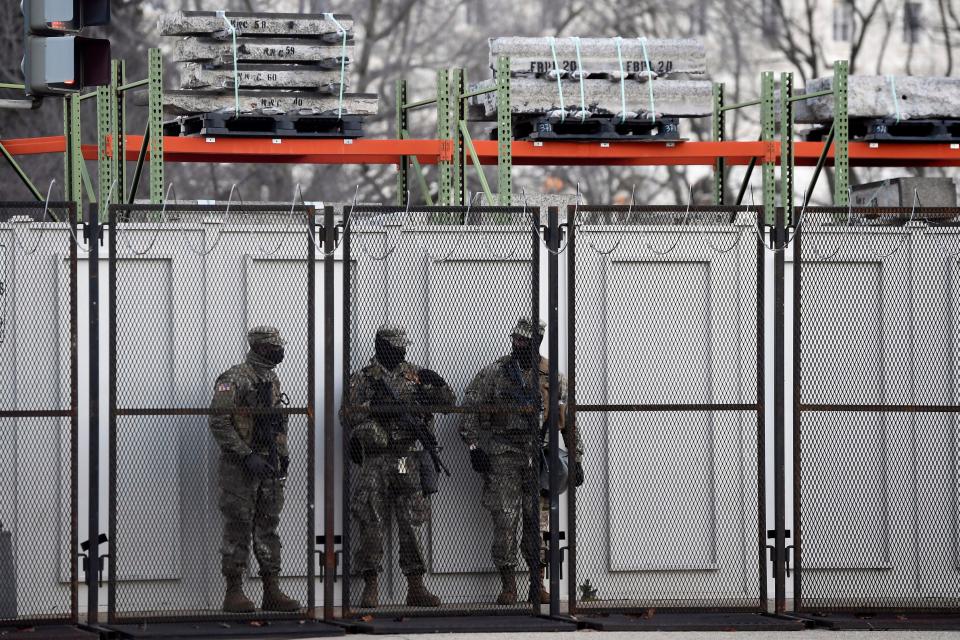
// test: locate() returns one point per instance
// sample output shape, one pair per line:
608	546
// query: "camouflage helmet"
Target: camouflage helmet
524	328
394	334
264	334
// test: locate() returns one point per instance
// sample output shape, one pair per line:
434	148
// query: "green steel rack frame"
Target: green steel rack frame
837	138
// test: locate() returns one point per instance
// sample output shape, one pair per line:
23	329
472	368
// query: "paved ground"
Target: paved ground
686	635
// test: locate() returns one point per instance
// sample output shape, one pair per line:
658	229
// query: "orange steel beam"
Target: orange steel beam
291	150
369	151
34	146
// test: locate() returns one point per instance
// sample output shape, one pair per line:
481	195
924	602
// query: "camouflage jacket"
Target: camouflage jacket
383	433
236	389
510	432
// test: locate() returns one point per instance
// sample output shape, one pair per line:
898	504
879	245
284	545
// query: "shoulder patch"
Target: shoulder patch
224	387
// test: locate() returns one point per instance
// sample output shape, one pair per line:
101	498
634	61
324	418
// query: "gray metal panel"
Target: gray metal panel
674	517
152	510
35	345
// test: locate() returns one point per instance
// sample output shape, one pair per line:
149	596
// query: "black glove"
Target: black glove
356	451
479	460
258	467
432	378
284	466
578	476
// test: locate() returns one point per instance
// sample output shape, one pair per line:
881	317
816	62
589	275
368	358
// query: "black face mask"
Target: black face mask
523	351
389	355
271	353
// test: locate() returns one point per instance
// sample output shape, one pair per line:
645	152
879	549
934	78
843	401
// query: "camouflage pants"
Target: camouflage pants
251	508
507	496
381	488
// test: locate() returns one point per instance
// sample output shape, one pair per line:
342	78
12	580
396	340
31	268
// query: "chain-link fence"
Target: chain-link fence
441	312
38	413
211	435
665	320
876	410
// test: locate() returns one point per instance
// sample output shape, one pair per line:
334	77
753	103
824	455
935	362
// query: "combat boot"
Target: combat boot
274	599
235	601
417	594
508	590
371	592
544	594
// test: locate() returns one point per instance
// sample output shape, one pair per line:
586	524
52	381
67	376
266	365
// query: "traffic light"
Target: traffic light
56	60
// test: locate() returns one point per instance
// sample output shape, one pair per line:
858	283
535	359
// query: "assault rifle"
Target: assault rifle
408	416
266	426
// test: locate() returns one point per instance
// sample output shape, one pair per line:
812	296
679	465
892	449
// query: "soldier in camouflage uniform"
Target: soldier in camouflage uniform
504	449
390	465
253	468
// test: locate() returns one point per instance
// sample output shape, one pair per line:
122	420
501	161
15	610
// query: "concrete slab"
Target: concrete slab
668	621
918	97
899	192
224	630
301	25
194	75
452	624
886	621
273	102
687	98
47	632
260	50
533	56
822	634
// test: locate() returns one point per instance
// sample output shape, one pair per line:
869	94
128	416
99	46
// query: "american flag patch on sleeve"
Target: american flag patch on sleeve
224	386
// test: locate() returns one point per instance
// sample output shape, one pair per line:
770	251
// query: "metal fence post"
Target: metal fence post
779	242
329	432
553	304
571	417
346	328
311	411
797	415
93	411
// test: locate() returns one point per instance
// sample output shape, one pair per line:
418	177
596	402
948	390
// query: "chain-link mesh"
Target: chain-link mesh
209	442
452	282
38	413
876	368
665	370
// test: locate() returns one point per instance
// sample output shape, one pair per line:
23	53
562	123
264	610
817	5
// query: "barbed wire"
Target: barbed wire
686	221
633	194
461	234
905	234
387	253
156	234
226	221
286	230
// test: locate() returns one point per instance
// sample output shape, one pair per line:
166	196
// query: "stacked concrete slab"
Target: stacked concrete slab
280	63
912	97
611	77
